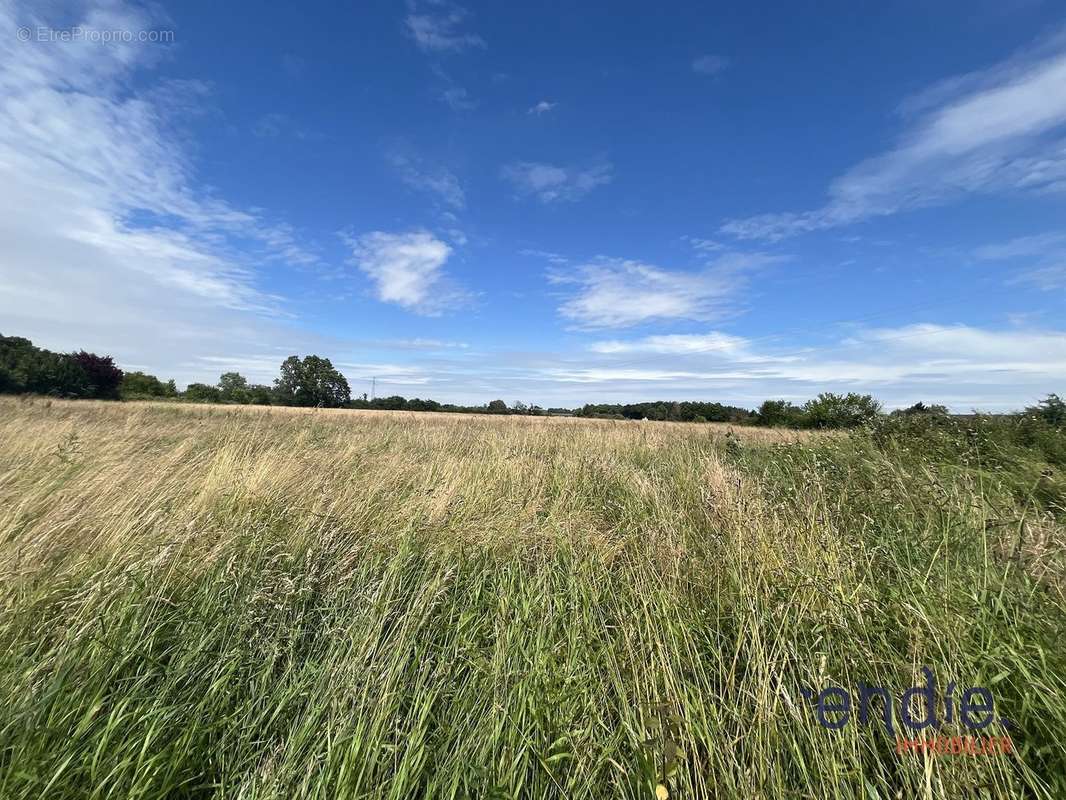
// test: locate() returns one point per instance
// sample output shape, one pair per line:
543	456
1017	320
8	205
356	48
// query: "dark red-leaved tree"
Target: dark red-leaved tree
104	377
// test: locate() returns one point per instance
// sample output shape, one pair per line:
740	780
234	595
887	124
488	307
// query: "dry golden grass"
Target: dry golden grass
222	601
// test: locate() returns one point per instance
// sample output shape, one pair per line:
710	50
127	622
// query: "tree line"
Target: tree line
312	381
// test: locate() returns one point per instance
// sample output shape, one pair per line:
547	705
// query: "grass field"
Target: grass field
273	603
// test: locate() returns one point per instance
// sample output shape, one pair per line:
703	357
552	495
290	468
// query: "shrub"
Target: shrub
921	408
1052	409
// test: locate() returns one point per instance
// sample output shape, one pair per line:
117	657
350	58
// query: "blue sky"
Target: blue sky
554	203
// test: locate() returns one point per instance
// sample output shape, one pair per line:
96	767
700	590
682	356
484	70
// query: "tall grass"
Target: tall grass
245	603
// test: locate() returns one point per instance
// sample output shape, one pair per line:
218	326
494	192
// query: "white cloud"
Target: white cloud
1037	245
406	268
1045	254
423	344
617	293
610	374
554	258
1052	276
964	343
438	181
962	366
703	245
709	64
550	183
458	99
714	343
108	243
991	132
393	374
436	28
542	108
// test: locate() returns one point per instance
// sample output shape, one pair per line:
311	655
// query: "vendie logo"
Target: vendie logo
918	709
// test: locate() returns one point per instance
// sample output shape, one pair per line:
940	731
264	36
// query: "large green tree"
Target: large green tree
233	387
830	410
26	368
312	381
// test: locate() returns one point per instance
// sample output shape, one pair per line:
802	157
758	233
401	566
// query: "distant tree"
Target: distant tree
259	395
1052	409
233	387
58	374
497	407
830	410
393	402
415	404
776	413
104	378
18	359
519	408
202	393
920	408
140	384
312	382
25	368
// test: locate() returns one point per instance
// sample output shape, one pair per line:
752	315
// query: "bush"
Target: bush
921	408
1024	451
1052	410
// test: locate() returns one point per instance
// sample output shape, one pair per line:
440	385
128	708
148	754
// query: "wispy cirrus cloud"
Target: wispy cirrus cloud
436	27
543	107
1041	244
737	348
436	180
615	293
554	258
1043	254
550	183
703	245
709	64
1000	130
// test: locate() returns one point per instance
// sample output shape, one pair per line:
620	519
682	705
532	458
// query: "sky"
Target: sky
556	203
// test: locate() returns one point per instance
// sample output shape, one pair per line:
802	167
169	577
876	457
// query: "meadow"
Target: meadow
241	602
